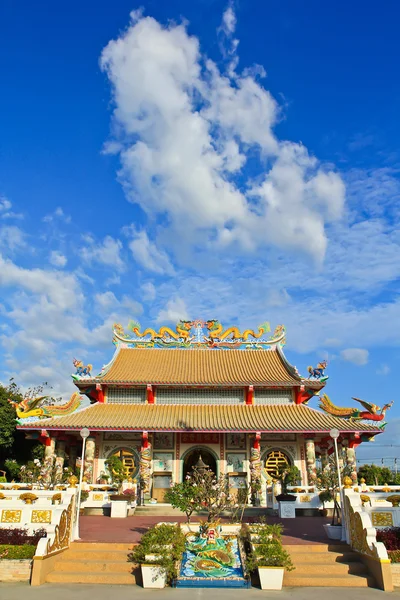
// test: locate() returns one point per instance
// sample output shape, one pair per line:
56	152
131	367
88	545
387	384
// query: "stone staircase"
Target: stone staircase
317	565
94	563
326	565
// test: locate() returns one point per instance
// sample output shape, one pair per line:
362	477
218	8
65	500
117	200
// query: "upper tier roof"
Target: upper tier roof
201	367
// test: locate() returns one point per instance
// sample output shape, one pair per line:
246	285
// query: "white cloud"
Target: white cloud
173	311
12	238
148	255
383	370
106	301
5	204
194	129
106	253
57	259
357	356
60	289
57	214
148	291
229	20
5	212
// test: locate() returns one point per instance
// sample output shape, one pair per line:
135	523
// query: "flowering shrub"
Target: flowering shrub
20	537
390	537
130	494
44	474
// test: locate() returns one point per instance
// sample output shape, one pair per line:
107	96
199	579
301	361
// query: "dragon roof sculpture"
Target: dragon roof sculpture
199	334
372	412
31	407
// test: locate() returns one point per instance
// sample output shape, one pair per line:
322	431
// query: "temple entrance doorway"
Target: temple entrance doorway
192	458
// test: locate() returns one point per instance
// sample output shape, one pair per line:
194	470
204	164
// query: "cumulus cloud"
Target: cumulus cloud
148	255
5	210
57	259
185	133
148	291
12	238
5	204
57	214
383	370
174	310
357	356
106	253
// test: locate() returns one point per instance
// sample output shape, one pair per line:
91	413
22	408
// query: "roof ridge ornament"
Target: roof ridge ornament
209	334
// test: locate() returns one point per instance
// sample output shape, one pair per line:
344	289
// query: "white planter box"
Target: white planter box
119	509
287	510
334	532
154	576
271	578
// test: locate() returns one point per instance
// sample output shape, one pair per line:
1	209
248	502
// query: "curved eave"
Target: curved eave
202	418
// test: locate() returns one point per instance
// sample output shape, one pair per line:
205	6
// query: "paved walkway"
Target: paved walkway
105	592
301	530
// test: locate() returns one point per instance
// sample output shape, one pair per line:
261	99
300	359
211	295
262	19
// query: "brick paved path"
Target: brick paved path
301	530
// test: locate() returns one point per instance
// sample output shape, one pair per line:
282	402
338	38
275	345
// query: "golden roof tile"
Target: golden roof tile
200	367
202	418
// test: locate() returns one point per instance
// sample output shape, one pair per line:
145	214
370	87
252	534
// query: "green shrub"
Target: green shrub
267	550
394	556
157	541
84	495
3	479
8	552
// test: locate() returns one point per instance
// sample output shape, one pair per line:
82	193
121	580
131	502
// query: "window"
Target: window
129	460
126	395
199	396
263	396
274	460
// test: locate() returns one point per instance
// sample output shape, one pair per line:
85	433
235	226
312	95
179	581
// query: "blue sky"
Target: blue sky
233	160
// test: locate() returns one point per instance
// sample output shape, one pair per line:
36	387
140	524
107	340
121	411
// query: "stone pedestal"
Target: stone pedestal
119	509
287	510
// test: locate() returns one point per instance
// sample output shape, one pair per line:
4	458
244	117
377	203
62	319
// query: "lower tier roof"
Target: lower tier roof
199	418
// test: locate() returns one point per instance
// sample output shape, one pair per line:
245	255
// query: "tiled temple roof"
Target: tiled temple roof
201	367
201	418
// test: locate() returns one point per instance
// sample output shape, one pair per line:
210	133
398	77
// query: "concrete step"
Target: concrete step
98	555
97	578
93	566
324	557
360	581
354	568
317	548
100	546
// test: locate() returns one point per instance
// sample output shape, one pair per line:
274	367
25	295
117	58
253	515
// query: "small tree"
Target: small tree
183	496
288	475
328	482
117	470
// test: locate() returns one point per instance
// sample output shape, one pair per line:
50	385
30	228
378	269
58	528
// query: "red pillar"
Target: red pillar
150	394
250	395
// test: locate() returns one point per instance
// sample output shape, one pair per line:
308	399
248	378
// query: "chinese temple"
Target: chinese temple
171	397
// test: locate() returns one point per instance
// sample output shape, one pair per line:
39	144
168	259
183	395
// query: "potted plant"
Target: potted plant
287	475
324	496
158	553
268	556
327	481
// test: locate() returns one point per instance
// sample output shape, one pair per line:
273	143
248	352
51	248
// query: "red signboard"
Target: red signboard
200	438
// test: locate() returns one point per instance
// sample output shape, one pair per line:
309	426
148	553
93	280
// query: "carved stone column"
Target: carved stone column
49	458
145	463
89	459
255	468
60	456
310	461
73	451
324	457
352	461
